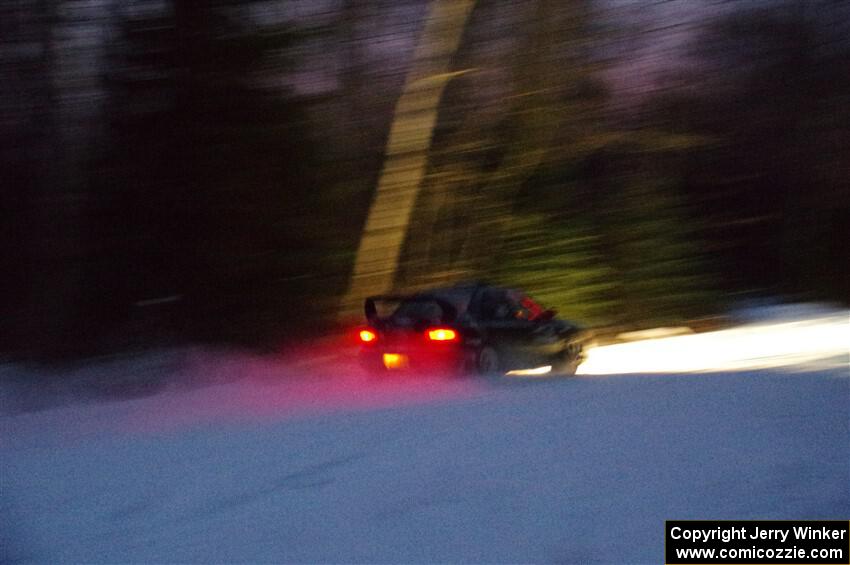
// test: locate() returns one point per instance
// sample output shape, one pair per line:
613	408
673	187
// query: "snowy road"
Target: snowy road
331	467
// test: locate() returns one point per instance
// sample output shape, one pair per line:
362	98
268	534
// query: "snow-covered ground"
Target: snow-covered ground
246	459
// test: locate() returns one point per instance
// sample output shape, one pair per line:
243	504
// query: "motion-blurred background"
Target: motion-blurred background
182	170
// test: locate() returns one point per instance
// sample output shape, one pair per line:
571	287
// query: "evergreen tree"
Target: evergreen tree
203	195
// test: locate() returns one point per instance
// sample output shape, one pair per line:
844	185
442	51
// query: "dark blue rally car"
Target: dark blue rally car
472	327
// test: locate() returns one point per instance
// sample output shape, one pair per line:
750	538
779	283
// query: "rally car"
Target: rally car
471	327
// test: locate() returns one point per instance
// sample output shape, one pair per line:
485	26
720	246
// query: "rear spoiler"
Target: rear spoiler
371	311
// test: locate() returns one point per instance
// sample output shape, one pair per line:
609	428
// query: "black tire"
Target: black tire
487	361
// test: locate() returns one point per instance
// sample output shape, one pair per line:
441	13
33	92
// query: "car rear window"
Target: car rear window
458	299
418	310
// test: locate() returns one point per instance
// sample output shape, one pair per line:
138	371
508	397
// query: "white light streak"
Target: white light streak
756	346
546	369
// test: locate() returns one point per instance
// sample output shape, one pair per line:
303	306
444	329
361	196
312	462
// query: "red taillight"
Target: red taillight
367	336
442	334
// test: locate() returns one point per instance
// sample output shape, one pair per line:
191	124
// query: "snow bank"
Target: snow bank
576	470
259	462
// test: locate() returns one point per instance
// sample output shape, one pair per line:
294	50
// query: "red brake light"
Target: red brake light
442	334
367	336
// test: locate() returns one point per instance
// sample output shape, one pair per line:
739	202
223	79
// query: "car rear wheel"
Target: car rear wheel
487	361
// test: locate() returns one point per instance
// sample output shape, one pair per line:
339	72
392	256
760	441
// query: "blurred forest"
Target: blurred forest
181	171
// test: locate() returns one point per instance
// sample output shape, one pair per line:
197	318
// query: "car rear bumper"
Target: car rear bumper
444	359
